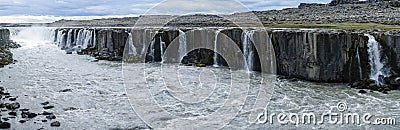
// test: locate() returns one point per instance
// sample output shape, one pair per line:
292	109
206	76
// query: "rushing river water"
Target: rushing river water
90	94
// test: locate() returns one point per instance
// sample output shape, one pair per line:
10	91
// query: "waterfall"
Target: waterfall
216	61
377	67
247	37
271	56
182	44
132	49
151	51
63	41
88	39
162	48
59	37
359	63
94	39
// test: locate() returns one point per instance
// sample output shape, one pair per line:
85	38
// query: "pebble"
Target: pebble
51	117
12	98
47	113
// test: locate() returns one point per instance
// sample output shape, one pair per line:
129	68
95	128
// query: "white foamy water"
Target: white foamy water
248	51
215	58
97	98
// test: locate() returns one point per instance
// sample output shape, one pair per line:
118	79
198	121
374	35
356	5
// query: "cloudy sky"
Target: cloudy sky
50	10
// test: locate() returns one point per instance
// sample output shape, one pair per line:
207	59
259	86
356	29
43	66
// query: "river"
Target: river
91	94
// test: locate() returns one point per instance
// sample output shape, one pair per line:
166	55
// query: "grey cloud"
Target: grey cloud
125	7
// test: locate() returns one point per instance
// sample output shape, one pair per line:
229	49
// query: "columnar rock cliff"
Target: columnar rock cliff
5	43
317	55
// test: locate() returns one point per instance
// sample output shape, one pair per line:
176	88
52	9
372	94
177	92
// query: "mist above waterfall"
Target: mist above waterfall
32	36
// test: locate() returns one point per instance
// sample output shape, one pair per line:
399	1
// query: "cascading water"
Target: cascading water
69	38
132	49
377	66
247	38
151	51
162	48
29	37
79	38
216	60
359	63
182	44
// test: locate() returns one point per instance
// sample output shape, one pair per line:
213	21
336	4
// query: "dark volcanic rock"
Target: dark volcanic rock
55	124
337	2
51	117
4	125
48	107
12	106
395	3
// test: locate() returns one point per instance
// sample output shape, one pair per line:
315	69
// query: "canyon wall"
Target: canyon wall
316	55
